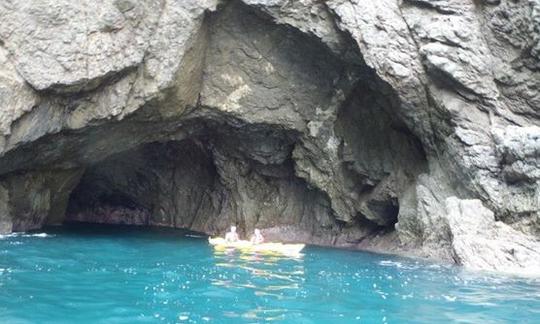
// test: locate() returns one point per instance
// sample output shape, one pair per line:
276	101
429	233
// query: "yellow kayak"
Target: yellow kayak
286	249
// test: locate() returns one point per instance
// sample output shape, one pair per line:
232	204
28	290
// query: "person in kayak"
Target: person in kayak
257	237
232	236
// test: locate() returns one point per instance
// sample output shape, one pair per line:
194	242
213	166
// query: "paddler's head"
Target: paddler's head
233	229
257	232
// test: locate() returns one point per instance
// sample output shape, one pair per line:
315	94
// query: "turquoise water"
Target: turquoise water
91	274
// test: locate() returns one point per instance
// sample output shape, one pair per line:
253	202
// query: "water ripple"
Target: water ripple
126	275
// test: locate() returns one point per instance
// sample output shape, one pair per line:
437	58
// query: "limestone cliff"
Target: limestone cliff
407	126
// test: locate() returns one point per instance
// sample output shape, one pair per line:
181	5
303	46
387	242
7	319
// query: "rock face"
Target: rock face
480	242
342	123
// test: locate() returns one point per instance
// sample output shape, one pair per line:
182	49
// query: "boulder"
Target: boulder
479	242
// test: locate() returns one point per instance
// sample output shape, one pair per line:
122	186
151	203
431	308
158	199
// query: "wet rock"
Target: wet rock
6	225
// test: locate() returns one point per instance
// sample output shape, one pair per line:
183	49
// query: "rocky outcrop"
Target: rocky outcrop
33	198
480	242
343	123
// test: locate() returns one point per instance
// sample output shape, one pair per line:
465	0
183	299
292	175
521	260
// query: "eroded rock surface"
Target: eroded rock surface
343	123
480	242
72	46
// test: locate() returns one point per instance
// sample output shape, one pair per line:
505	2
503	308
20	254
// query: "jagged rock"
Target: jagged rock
519	148
343	123
386	45
72	46
310	17
6	225
34	199
479	242
421	216
16	98
453	47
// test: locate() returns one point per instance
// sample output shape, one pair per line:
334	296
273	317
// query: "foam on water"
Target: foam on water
90	274
22	234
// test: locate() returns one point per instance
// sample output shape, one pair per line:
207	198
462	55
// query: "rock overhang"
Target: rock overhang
352	114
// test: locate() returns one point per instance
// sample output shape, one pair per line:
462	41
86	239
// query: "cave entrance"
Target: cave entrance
381	156
149	185
285	133
219	176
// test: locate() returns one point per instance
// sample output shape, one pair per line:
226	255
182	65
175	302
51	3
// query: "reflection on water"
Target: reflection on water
255	270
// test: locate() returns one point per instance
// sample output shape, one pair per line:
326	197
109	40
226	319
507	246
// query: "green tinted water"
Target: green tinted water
91	274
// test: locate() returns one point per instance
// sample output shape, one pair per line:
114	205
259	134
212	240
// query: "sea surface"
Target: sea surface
114	274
